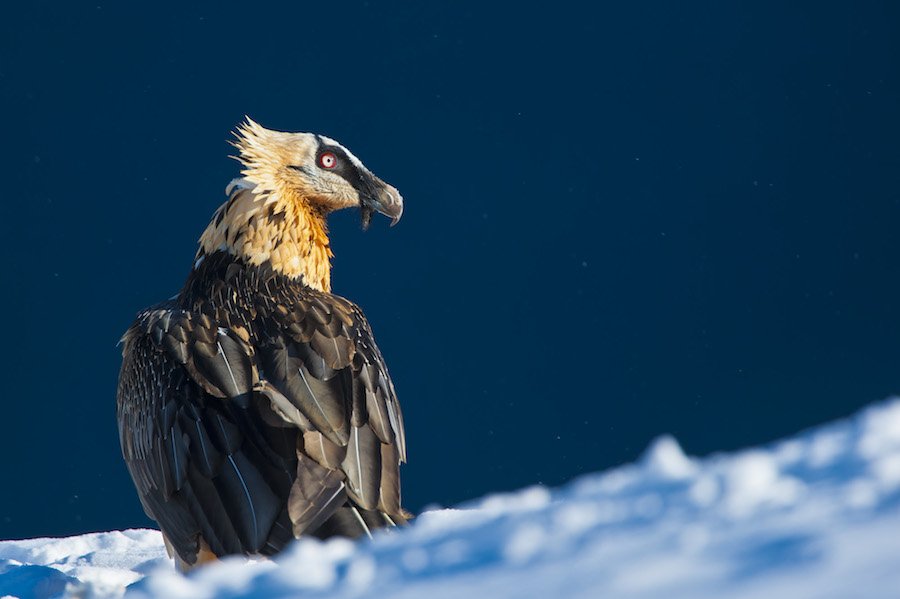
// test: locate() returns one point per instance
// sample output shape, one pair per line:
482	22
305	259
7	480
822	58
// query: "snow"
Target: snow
101	563
816	515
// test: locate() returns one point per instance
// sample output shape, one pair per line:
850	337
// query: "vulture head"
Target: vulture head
315	168
276	213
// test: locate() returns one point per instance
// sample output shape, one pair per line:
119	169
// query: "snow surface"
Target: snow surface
816	515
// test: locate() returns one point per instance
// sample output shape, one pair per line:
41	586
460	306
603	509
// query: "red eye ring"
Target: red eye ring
327	160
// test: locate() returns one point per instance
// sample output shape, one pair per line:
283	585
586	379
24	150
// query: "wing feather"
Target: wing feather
389	490
321	402
362	464
317	492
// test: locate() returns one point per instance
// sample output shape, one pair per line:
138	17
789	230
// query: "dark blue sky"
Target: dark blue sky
620	220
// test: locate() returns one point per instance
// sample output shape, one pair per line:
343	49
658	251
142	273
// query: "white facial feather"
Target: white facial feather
356	161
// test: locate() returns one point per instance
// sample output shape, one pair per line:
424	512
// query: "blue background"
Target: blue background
621	220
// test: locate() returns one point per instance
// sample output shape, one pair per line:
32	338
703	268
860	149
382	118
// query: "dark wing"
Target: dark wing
248	439
207	465
321	370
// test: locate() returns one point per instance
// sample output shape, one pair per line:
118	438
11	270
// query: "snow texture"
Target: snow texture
816	515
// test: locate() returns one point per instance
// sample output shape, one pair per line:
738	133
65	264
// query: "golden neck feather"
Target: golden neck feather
279	227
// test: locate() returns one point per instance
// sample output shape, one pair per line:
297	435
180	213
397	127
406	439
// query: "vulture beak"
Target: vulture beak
378	196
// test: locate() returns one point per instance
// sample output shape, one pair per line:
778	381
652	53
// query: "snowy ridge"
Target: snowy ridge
817	515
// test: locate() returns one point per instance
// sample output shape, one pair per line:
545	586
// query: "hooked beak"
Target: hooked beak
383	198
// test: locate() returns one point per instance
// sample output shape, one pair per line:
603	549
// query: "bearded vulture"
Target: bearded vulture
254	406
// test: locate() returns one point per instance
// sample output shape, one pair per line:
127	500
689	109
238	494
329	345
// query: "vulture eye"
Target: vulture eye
327	160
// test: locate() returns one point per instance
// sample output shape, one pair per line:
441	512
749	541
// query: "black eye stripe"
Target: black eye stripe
359	178
344	167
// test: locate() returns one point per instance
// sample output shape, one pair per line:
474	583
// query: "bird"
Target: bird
254	406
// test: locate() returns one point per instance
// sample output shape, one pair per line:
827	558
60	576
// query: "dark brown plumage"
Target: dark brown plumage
254	406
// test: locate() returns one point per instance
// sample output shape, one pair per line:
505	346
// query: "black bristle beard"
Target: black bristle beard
365	214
